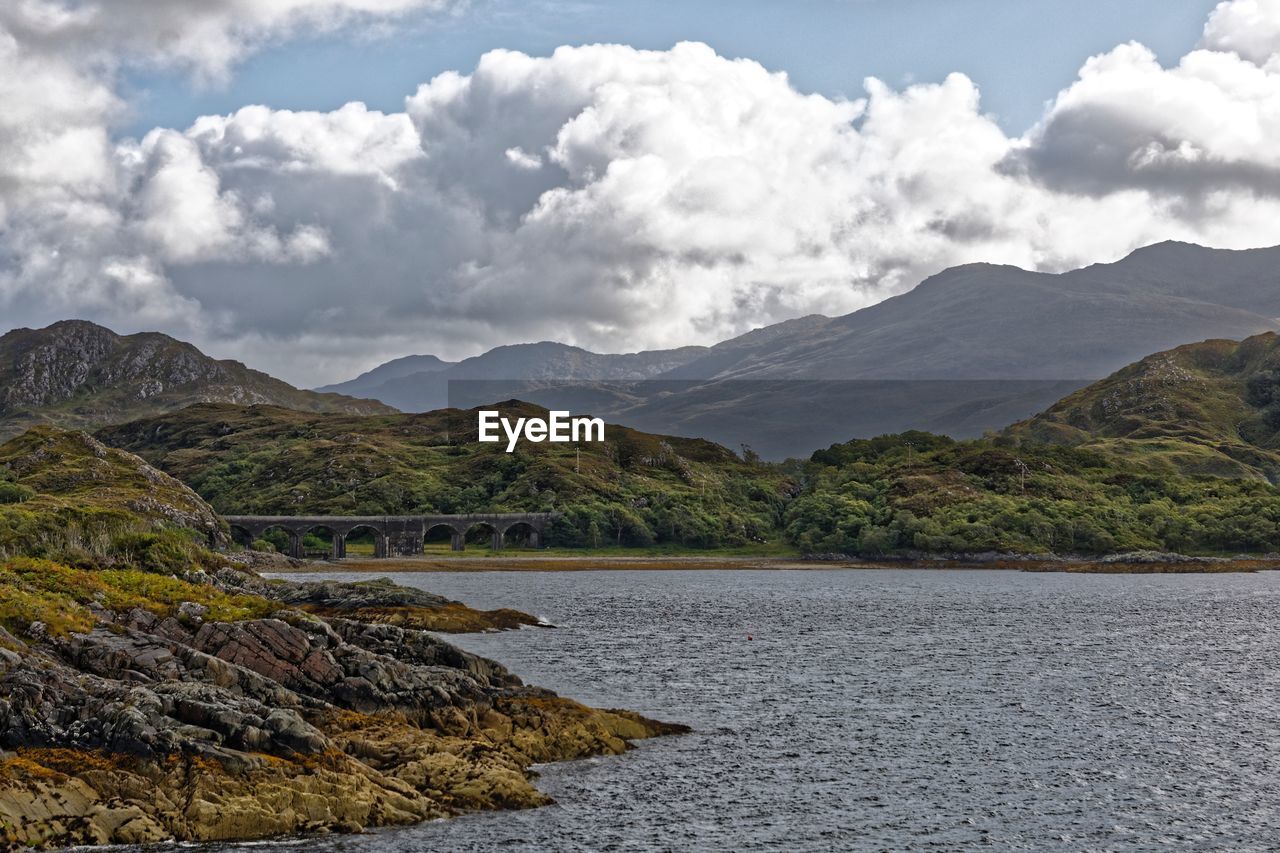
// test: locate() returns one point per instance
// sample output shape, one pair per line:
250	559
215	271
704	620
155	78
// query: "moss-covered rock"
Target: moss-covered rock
87	502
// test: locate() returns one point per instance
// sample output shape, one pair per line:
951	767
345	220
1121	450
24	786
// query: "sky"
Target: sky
1020	54
316	186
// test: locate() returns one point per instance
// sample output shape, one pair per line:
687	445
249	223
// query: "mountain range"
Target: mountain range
1178	451
80	375
420	382
967	351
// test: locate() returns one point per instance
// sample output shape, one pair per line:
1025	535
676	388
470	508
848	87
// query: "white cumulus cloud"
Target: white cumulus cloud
91	225
602	195
1250	28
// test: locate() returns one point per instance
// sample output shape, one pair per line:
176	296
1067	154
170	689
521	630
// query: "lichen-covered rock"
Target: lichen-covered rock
151	727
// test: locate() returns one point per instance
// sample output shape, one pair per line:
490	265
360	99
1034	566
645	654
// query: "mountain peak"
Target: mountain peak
75	325
1179	251
76	373
367	383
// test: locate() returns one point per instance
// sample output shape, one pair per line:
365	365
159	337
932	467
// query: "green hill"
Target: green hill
1207	408
86	529
66	495
923	494
78	375
1177	452
633	489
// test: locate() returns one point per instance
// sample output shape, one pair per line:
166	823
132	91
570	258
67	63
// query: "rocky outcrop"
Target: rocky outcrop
158	726
384	602
379	601
76	465
75	373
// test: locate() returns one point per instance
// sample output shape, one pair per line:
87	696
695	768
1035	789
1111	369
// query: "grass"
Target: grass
82	502
97	529
59	596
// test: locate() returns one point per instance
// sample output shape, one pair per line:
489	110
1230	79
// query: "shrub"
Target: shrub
14	493
167	552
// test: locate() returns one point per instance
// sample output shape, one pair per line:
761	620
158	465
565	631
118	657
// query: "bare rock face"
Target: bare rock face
152	727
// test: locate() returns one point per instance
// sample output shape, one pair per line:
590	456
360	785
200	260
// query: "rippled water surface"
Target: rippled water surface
895	710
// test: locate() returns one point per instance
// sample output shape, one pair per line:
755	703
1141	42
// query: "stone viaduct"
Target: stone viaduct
393	535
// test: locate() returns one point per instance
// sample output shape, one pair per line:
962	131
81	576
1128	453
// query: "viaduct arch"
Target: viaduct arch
393	535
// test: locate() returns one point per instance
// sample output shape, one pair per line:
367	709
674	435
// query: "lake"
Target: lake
891	710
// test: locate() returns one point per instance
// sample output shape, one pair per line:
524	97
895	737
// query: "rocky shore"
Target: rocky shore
151	727
154	688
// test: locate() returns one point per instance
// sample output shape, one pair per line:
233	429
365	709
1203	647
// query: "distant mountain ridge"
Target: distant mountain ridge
545	362
977	321
983	321
77	374
372	382
970	349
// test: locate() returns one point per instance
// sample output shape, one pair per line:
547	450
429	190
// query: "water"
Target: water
893	710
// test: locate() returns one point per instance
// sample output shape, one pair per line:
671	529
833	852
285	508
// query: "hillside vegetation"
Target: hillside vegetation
65	495
1177	452
86	529
633	489
1208	408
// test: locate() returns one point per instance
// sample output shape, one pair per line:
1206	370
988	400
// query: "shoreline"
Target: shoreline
584	563
325	707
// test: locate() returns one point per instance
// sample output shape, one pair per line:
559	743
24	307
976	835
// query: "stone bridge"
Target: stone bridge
393	535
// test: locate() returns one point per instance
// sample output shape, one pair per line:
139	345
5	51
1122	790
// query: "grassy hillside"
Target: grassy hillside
1180	451
78	375
86	529
633	489
66	495
1208	408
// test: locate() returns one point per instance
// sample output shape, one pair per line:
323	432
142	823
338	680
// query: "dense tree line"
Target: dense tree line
918	492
